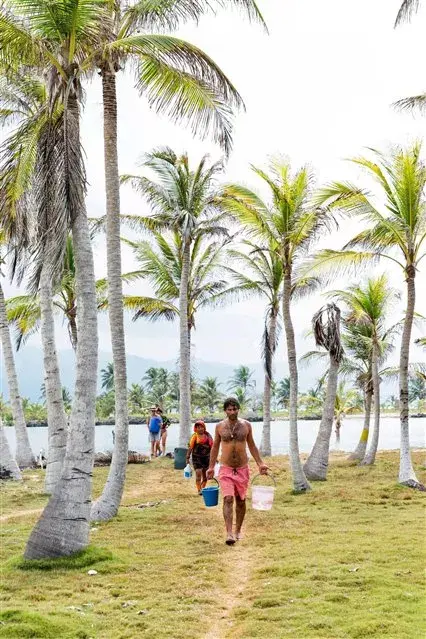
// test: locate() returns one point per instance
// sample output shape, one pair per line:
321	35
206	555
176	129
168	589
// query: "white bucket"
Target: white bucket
262	497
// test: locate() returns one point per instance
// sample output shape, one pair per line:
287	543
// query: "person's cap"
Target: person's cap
153	408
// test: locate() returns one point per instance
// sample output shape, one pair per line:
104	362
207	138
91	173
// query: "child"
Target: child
199	447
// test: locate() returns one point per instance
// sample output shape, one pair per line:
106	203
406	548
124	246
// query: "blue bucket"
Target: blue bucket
211	495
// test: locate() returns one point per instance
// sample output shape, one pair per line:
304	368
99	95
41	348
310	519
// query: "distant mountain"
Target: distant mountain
29	364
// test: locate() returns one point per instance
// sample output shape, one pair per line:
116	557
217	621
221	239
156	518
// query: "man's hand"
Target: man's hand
210	473
263	469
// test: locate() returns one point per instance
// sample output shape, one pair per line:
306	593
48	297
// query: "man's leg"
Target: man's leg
240	512
228	504
152	447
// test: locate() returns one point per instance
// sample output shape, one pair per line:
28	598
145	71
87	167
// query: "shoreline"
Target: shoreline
215	420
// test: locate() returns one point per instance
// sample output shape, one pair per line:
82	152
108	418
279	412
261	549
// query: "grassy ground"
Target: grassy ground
345	560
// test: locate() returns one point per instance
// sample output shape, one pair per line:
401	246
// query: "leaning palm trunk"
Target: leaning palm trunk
265	446
300	483
185	353
107	504
7	462
63	527
359	452
407	476
327	335
316	465
370	456
56	417
24	455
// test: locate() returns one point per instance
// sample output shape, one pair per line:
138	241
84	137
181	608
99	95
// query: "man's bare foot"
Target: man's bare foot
239	536
230	541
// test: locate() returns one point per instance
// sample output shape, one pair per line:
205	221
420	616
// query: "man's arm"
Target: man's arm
263	468
214	452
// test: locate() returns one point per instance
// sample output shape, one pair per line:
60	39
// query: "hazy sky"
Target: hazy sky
318	89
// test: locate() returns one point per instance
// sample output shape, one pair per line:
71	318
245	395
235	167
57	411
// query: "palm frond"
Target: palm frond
150	308
413	103
407	9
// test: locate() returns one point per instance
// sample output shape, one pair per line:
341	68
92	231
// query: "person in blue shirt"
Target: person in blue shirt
154	423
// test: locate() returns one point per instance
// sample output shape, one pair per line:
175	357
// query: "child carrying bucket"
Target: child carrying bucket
199	447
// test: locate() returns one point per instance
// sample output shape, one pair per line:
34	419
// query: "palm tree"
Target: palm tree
289	224
209	394
347	401
160	264
367	306
181	81
187	203
242	378
327	335
24	455
107	376
261	274
406	11
283	392
8	462
157	384
57	38
396	234
137	401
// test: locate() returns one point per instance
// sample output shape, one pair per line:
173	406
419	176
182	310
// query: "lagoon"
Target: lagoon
350	432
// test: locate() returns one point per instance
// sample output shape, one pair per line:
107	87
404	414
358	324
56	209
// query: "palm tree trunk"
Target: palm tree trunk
56	417
7	462
63	527
107	504
359	452
185	353
407	476
316	465
370	456
300	483
24	455
265	446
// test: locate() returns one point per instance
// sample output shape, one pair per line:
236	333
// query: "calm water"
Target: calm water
350	432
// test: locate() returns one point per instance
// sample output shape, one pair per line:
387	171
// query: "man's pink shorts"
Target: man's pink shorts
234	481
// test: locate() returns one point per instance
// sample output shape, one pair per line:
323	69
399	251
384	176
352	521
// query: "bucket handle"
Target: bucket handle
214	479
263	475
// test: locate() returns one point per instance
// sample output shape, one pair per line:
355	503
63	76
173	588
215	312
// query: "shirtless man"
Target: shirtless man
235	435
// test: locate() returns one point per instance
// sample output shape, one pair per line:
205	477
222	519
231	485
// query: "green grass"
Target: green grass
343	561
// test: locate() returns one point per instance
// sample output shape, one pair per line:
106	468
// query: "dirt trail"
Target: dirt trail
20	513
238	574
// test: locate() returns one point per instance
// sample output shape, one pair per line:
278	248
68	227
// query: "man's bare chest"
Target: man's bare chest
231	432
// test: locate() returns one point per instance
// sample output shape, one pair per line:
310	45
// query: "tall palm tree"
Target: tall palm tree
186	202
59	38
283	392
24	455
289	224
347	401
160	262
181	81
209	394
260	273
157	384
8	462
367	306
326	329
242	378
396	233
137	401
107	377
